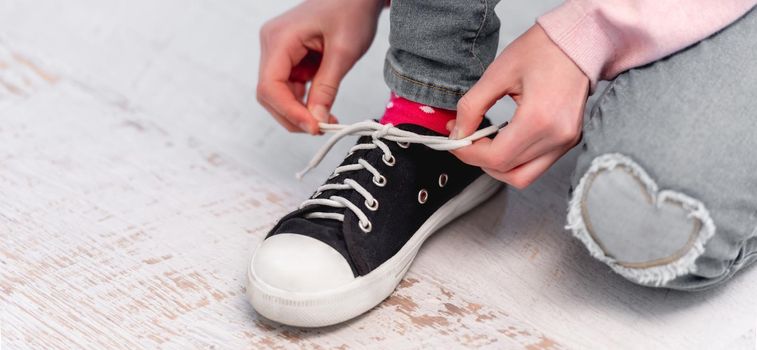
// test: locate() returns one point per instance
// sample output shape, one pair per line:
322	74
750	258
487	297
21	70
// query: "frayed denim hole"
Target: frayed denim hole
654	273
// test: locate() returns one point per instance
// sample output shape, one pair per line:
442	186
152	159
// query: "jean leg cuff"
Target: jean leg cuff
420	90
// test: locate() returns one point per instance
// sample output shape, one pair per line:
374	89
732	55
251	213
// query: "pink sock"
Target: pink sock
403	111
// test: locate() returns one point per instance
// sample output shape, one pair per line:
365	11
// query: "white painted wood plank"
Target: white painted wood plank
128	235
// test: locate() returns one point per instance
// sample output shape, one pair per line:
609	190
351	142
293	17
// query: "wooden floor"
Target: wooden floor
137	174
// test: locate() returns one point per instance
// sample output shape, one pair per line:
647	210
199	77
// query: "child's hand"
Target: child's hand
550	91
318	41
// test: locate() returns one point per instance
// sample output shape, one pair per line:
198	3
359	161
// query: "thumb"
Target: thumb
472	107
334	66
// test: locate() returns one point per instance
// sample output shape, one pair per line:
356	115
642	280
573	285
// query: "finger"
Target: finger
281	101
334	66
525	174
281	120
511	141
472	107
531	152
274	89
278	63
543	146
298	89
480	153
552	129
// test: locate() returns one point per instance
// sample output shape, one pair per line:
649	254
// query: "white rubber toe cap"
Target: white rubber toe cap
298	263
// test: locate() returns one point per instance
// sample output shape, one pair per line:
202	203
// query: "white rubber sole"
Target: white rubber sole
363	293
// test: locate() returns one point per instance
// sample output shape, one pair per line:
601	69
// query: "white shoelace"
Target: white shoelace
377	131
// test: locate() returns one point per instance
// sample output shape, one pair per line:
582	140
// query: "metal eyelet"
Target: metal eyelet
333	176
422	196
316	194
366	228
379	181
373	206
388	161
443	178
403	144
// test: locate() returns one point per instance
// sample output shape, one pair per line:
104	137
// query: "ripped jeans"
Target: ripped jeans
665	187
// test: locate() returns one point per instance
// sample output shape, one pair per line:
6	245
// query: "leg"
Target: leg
665	187
439	49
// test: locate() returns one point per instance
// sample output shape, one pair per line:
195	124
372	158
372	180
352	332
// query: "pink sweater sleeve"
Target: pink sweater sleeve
606	37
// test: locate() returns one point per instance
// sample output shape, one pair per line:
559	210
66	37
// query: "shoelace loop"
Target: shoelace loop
378	132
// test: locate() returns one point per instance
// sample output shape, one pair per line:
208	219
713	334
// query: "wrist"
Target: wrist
577	33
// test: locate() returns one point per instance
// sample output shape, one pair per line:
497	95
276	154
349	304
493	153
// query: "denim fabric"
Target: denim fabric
685	126
439	48
666	182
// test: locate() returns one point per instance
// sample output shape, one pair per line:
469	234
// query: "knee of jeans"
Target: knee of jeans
648	235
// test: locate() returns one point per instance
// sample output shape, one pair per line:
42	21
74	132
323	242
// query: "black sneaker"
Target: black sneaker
348	246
